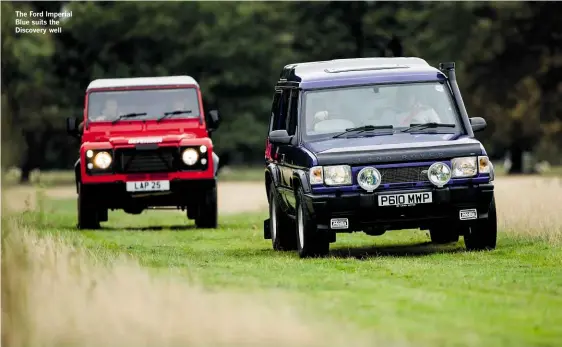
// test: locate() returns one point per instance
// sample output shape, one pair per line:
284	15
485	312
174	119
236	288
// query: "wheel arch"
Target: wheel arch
300	179
271	176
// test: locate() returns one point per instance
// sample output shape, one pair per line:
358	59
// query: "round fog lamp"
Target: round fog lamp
203	149
439	174
190	156
369	178
89	153
102	160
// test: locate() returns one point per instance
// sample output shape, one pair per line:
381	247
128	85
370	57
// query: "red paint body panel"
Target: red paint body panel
174	132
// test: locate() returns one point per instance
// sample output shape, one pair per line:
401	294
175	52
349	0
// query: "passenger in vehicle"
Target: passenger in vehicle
327	112
110	111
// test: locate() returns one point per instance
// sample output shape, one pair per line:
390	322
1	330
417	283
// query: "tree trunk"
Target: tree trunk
35	152
516	148
516	157
395	47
356	28
27	163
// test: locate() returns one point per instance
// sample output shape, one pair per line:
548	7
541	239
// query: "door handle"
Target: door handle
282	157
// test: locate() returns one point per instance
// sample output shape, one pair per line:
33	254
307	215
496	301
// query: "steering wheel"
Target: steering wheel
378	116
393	108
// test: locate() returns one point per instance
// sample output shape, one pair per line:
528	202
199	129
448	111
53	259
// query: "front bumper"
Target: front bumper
182	193
362	209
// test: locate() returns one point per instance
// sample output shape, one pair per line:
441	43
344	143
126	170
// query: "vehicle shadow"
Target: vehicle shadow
148	228
410	250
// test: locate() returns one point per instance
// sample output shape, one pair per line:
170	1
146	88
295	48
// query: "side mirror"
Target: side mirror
280	137
478	123
72	126
214	120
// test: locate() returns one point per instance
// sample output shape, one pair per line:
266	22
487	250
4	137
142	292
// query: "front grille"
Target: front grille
404	174
130	160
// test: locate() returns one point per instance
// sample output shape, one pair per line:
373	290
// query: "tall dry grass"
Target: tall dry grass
530	207
56	295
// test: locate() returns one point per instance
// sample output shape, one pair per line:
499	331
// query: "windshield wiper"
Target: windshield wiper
364	128
428	125
128	115
166	114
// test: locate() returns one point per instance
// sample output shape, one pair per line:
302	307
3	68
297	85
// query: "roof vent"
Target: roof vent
368	68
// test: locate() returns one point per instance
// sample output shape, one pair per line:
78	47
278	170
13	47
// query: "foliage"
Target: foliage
507	53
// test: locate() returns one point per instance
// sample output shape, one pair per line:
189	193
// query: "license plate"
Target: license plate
148	186
468	214
405	199
339	223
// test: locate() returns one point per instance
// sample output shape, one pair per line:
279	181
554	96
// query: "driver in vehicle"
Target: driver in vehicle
417	111
179	105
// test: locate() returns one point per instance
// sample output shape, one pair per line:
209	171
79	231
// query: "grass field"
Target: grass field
183	286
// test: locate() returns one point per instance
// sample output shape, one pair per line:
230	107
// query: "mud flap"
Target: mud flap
266	231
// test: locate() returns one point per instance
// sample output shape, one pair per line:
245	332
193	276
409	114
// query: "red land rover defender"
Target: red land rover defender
145	143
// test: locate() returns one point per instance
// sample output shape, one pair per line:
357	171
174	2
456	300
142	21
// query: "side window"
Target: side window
293	112
274	120
284	109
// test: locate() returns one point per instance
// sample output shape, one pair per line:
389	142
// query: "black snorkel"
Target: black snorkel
448	69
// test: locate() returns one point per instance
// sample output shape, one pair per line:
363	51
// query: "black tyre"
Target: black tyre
191	212
483	236
88	217
443	235
311	242
103	214
207	216
283	237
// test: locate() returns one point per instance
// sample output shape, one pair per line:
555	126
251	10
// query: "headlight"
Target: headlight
337	175
316	176
464	167
190	156
102	160
439	174
369	178
203	149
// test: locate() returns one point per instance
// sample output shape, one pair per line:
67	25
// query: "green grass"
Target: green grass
396	286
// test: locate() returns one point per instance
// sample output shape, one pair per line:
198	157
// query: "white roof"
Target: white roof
408	61
141	81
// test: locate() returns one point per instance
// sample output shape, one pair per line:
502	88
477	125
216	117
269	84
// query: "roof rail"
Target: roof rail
367	68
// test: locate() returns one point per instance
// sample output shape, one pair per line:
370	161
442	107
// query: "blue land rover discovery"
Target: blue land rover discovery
375	144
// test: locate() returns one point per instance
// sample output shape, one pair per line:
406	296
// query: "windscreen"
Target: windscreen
155	103
400	105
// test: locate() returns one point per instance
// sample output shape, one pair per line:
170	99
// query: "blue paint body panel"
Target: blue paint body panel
402	157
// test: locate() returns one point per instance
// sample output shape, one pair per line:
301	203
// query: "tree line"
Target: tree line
508	56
